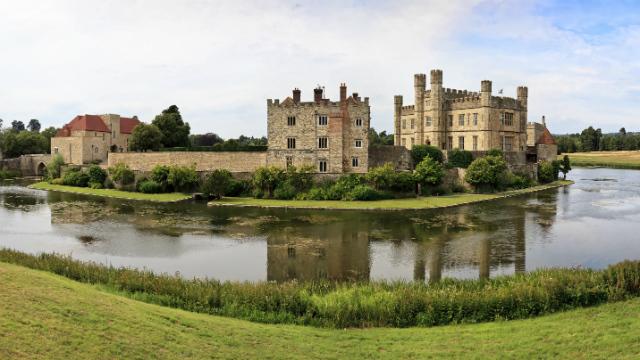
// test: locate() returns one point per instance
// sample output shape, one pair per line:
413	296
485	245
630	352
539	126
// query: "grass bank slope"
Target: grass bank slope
47	316
431	202
111	193
613	159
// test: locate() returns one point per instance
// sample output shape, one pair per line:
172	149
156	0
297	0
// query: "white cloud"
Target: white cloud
220	60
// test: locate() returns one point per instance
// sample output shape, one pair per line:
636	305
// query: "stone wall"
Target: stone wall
27	165
399	156
234	161
547	152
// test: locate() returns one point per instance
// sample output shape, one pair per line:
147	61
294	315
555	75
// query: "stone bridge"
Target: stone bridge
27	165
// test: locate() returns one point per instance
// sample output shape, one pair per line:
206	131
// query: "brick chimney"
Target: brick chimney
356	97
296	95
317	94
343	92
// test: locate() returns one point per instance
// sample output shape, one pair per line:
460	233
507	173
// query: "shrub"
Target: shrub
183	178
516	181
301	179
149	187
376	303
557	166
160	174
285	191
428	172
97	174
75	177
486	172
95	185
8	174
419	152
566	166
57	181
217	184
120	173
266	179
239	188
459	158
386	178
495	152
316	193
364	193
545	172
53	168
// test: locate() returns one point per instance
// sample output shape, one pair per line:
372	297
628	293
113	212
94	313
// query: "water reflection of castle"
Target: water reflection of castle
459	243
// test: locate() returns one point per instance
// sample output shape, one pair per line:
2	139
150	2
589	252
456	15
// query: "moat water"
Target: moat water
593	223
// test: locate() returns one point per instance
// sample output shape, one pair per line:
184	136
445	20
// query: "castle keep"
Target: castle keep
462	119
330	135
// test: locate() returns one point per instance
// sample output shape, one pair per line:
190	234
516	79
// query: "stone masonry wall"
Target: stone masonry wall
234	161
399	156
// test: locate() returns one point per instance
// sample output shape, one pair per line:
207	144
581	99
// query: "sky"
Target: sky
219	61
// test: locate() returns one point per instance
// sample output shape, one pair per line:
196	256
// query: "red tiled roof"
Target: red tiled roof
546	138
95	123
127	124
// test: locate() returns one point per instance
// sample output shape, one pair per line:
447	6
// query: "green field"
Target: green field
614	159
112	193
430	202
47	316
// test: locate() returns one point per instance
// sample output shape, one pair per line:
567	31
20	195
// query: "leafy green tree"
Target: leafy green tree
160	175
566	166
459	158
381	138
183	178
145	137
217	184
17	125
175	132
486	172
34	125
590	139
545	172
54	167
495	152
97	176
428	172
208	139
48	133
266	179
120	173
14	144
419	152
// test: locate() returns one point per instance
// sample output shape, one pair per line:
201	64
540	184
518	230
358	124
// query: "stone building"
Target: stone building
90	138
330	135
462	119
540	143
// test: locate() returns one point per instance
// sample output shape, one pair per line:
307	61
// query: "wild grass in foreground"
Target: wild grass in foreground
45	316
331	304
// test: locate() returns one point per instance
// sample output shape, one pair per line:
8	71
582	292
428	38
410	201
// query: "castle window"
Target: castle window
55	150
291	143
502	118
507	143
358	122
461	119
404	142
322	120
413	142
413	123
427	121
358	143
450	120
508	119
355	162
475	119
289	160
450	142
475	143
322	166
404	123
291	252
323	142
461	142
291	120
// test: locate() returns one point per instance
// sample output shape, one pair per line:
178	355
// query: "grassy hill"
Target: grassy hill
47	316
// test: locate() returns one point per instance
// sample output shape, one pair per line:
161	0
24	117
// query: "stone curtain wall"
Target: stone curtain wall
399	156
234	161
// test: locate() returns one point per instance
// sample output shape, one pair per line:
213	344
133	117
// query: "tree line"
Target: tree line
19	139
591	139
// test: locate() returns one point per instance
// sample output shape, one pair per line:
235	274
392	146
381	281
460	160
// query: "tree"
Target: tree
54	167
419	152
566	166
459	158
34	125
380	138
1	121
175	132
266	179
217	184
428	172
17	125
145	137
208	139
590	139
48	133
486	171
14	144
545	172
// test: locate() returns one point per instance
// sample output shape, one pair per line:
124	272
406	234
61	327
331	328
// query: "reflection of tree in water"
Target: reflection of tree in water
21	200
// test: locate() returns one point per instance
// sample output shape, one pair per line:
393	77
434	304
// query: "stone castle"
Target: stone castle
330	135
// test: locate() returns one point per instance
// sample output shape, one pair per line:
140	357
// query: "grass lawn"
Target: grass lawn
46	316
112	193
614	159
392	204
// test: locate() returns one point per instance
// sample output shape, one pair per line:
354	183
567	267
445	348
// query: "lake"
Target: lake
593	223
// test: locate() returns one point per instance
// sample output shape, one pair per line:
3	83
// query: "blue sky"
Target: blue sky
220	60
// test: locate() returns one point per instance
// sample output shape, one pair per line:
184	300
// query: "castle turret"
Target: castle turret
397	102
523	94
419	84
437	115
485	93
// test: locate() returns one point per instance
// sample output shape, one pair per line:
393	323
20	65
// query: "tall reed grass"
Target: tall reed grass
334	304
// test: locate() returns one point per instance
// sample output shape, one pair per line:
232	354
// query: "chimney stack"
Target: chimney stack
356	97
296	95
544	121
343	92
317	94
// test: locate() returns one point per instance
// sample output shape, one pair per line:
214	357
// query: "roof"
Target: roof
96	123
546	138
